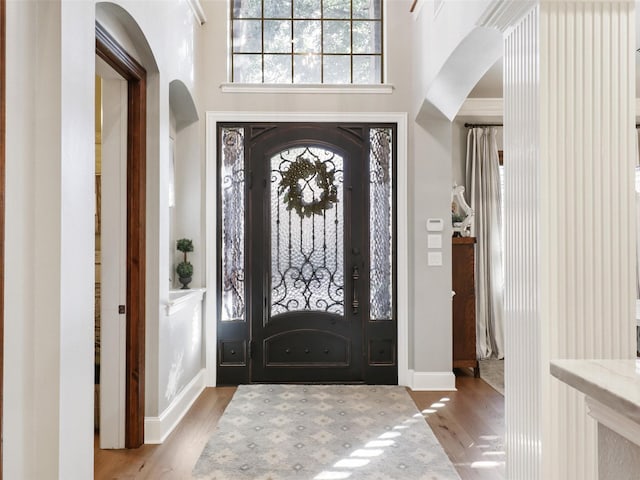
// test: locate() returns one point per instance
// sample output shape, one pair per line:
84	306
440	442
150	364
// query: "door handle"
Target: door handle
355	275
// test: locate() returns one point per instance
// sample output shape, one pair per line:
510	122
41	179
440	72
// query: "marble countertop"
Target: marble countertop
614	383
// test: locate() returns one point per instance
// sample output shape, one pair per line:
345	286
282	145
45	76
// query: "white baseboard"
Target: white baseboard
423	381
157	429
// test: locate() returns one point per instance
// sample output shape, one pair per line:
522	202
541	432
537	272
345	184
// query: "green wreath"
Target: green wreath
305	170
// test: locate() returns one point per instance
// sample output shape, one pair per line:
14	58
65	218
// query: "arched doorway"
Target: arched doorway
122	62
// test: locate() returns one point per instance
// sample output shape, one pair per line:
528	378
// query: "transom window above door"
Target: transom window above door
306	41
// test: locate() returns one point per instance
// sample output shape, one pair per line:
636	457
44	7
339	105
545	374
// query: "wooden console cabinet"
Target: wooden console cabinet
464	304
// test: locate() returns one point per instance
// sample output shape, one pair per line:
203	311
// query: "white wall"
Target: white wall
182	348
431	351
48	385
431	285
49	238
459	152
452	51
189	184
19	387
169	28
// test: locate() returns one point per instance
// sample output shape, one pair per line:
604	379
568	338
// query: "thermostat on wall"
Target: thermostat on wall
435	224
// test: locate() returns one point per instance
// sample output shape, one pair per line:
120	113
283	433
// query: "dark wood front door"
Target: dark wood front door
309	281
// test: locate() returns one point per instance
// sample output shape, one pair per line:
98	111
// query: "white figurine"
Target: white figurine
461	212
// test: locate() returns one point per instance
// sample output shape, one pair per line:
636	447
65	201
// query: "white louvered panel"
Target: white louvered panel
569	78
522	365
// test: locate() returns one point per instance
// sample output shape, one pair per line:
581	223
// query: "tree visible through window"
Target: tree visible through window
306	41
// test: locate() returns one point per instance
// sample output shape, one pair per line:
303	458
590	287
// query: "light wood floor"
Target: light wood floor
470	426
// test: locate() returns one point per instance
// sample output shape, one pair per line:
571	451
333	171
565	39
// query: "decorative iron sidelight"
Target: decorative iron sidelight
233	208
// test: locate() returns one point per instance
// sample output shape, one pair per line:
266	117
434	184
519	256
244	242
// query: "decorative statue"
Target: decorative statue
461	213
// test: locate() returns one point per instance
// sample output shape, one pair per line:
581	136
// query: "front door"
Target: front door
318	254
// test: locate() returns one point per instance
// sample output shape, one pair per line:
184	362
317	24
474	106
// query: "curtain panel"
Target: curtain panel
483	190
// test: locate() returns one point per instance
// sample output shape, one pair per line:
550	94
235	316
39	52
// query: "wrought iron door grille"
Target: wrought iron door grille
307	265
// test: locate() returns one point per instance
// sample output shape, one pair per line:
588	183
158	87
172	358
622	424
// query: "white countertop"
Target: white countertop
614	383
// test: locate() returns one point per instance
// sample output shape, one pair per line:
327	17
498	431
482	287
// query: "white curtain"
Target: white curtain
483	190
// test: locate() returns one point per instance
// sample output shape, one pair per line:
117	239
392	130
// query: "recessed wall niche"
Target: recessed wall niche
185	183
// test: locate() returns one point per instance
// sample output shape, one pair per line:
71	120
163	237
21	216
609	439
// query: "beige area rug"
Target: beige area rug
492	372
323	432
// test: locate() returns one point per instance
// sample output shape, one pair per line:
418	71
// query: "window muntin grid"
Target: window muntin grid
306	41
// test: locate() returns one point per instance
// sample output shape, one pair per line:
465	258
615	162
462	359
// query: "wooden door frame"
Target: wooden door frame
3	49
122	62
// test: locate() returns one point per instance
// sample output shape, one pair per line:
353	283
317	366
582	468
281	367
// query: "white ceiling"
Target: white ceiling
489	86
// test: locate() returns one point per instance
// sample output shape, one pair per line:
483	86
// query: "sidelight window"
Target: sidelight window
233	207
381	223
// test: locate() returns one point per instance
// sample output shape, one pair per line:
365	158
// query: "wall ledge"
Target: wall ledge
157	429
182	298
384	88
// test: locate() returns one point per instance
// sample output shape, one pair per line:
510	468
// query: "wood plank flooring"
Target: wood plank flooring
175	458
469	424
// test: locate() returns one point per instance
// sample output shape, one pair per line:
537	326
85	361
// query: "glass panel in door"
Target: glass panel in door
307	223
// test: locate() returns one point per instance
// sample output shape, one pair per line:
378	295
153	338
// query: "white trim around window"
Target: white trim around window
350	89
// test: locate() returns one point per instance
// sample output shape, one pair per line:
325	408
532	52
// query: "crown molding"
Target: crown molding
502	14
482	107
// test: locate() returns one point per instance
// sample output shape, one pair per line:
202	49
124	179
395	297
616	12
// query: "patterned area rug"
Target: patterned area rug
492	372
323	432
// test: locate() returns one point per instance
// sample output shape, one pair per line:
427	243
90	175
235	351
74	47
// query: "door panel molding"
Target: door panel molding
122	62
405	376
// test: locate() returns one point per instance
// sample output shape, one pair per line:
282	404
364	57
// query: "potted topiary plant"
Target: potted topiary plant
184	268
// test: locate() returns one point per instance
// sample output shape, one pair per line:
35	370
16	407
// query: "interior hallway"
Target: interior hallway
469	425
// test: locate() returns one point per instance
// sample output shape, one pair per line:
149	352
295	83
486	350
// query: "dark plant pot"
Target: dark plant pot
185	281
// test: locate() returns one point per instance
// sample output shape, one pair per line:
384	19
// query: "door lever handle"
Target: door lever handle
355	275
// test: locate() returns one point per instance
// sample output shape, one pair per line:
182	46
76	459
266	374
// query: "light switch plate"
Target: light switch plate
434	240
434	259
435	224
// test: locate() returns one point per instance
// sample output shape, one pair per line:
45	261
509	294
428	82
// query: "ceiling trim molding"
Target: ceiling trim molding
494	107
482	107
503	15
